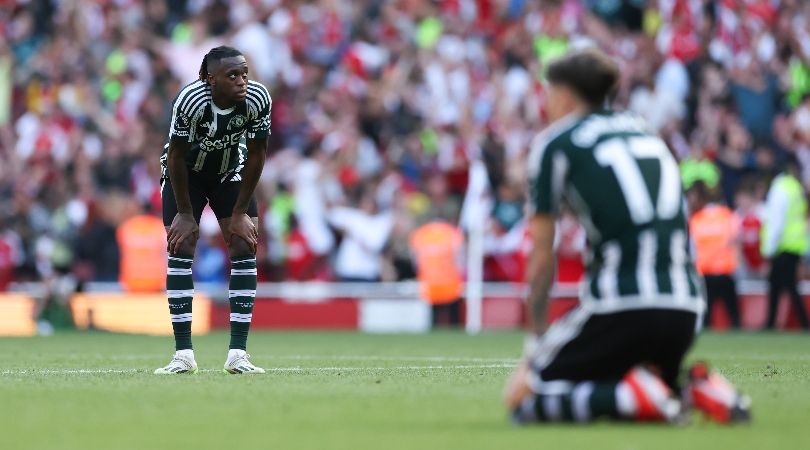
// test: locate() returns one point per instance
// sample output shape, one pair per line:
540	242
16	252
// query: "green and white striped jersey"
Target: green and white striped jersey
624	185
216	134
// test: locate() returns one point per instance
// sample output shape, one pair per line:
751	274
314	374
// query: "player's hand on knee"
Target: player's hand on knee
243	226
182	233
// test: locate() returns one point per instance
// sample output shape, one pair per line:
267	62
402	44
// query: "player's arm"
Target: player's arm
540	274
183	227
178	173
548	172
545	194
241	223
540	271
258	128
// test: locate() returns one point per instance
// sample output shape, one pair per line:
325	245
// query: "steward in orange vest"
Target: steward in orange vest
142	240
436	247
714	228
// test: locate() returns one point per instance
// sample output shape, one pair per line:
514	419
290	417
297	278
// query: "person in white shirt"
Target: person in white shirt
785	240
365	233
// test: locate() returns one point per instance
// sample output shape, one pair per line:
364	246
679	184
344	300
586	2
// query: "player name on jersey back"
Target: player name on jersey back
624	185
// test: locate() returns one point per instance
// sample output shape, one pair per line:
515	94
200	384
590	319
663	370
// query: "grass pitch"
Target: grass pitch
352	391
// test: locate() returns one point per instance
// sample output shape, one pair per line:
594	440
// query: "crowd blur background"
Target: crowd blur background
380	108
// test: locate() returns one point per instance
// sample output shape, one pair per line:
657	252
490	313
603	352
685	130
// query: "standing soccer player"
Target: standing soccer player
215	155
620	352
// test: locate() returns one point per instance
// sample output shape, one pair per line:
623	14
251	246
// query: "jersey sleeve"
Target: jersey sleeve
548	169
259	104
186	112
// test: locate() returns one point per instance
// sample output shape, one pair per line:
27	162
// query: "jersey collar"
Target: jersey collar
217	110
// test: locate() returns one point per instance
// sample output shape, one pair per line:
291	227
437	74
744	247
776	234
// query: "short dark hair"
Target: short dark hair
790	163
213	56
702	191
592	75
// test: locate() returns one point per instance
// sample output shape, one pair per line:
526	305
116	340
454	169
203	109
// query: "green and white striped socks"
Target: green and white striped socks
241	293
581	402
180	290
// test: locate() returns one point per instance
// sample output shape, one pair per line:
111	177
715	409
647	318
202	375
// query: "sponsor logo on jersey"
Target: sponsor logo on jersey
226	141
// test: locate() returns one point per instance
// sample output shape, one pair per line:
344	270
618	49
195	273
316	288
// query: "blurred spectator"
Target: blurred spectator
503	259
365	232
504	253
398	98
785	241
401	261
735	158
441	205
97	252
6	264
756	95
436	247
750	213
714	229
301	263
142	240
571	242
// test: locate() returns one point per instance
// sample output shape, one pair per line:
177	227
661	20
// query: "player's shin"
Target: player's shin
640	396
180	290
581	402
241	293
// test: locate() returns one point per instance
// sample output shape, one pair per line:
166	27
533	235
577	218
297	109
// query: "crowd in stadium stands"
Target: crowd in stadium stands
379	110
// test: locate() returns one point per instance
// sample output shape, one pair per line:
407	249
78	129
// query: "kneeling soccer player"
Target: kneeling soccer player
215	155
618	354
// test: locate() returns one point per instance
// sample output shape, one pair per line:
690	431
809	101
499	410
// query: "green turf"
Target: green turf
352	391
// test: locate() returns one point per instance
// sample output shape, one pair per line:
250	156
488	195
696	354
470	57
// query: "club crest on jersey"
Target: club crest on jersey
237	121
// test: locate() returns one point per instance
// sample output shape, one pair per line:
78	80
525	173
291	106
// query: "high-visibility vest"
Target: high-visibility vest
714	231
794	236
435	247
142	240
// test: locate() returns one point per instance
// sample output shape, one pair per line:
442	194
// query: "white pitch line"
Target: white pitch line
391	358
68	371
309	357
370	369
272	369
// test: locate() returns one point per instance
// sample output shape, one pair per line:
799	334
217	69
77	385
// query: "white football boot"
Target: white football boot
239	362
182	362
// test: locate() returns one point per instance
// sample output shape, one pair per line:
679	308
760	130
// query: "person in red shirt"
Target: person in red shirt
6	264
750	217
302	263
571	243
